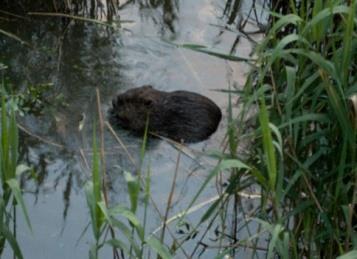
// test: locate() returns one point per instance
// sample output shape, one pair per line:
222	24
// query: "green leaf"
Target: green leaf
284	21
223	165
119	244
4	142
268	146
133	189
104	211
121	226
322	118
306	84
21	168
328	12
91	202
338	105
128	234
14	143
96	188
290	92
96	179
277	51
126	213
279	143
320	61
208	213
158	247
347	44
15	188
6	233
350	255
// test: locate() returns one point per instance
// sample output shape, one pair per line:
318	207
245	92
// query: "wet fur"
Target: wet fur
179	115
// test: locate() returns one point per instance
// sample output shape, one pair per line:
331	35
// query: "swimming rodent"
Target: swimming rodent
180	115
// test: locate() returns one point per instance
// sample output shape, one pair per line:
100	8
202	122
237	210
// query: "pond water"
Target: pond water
80	57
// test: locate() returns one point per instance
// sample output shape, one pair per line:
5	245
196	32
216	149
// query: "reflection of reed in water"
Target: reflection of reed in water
90	8
169	11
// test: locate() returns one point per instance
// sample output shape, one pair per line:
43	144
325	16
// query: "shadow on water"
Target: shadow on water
78	58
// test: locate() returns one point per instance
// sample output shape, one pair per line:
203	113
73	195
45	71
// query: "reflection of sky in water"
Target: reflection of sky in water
113	62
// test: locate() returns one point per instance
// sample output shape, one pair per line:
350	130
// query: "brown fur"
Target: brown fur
179	115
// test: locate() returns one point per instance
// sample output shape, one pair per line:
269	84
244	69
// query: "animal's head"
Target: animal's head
132	108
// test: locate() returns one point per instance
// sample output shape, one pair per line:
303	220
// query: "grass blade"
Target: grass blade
15	188
158	247
268	146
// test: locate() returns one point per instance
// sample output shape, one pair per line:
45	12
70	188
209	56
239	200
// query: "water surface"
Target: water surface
78	58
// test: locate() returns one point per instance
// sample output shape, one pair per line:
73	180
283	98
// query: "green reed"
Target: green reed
308	76
303	150
299	97
10	169
128	236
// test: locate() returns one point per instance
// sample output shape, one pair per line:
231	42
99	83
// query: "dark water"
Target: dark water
78	58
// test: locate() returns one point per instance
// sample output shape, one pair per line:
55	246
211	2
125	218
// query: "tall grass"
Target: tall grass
10	169
128	234
308	78
303	152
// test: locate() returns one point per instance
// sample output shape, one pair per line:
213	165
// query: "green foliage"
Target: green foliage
34	99
307	72
118	218
10	168
93	190
303	152
268	145
157	246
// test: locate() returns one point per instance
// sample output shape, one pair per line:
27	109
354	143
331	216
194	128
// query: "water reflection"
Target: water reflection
162	12
102	9
78	58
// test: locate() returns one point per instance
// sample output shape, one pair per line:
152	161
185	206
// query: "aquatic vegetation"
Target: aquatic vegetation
106	218
10	169
292	146
303	152
34	99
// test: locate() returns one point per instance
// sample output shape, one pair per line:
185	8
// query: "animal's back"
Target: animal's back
190	117
179	115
